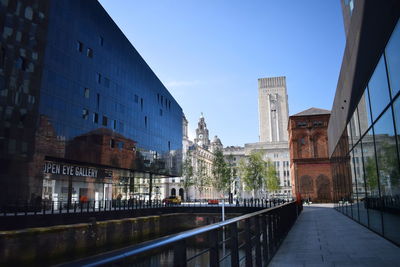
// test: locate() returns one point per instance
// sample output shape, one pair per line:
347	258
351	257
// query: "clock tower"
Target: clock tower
202	133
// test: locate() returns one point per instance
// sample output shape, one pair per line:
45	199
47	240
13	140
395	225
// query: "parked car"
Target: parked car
172	200
213	202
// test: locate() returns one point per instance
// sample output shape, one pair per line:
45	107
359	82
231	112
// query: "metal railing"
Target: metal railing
46	207
251	239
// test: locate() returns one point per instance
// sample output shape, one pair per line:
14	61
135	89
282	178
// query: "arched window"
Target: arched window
306	184
181	193
323	188
173	192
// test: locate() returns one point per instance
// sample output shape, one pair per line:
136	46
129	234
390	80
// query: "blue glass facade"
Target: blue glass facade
98	116
367	158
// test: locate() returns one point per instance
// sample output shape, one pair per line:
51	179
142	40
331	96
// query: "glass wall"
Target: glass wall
372	151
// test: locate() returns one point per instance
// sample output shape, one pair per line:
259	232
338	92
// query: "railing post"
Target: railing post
258	242
264	244
180	254
213	239
248	246
234	245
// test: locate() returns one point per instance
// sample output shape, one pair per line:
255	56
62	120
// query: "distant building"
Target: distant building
310	166
201	151
273	120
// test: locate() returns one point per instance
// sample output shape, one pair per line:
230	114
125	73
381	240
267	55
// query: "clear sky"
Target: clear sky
210	53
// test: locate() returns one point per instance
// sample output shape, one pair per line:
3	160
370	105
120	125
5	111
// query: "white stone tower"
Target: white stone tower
202	138
273	109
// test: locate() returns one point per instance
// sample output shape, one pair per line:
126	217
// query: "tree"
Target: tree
220	181
258	174
271	177
187	173
202	179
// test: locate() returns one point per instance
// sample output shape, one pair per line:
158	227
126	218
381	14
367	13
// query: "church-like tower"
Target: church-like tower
202	138
273	109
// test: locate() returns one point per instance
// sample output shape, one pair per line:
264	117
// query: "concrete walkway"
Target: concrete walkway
324	237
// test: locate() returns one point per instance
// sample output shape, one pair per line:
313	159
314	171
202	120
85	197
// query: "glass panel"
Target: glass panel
389	176
361	192
393	60
396	106
371	178
355	130
355	198
364	113
378	89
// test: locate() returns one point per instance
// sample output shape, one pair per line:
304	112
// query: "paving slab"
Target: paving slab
323	236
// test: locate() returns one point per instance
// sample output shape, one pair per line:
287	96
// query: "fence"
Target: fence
251	239
60	207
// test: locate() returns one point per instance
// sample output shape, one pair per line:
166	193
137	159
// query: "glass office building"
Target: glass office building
82	114
366	165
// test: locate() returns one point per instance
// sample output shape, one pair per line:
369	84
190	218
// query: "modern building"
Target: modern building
273	144
82	114
364	127
310	166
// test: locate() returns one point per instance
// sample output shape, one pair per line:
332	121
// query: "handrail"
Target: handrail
163	241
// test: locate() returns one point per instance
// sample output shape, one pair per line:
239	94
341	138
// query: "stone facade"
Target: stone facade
310	166
273	109
273	120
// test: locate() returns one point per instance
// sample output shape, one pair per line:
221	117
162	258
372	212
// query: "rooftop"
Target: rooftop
312	111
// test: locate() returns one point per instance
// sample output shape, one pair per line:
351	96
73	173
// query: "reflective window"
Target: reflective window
393	60
396	106
378	89
388	170
371	178
364	113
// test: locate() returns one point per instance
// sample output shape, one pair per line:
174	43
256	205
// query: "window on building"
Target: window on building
95	117
101	41
317	123
114	123
301	124
145	121
120	145
105	121
21	64
136	99
112	143
89	52
141	104
162	100
169	145
85	114
79	46
106	82
98	100
158	98
86	92
169	104
98	78
161	112
121	127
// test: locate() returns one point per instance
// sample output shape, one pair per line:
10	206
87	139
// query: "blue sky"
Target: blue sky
210	53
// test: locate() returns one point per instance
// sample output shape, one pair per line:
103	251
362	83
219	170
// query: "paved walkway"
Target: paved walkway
324	237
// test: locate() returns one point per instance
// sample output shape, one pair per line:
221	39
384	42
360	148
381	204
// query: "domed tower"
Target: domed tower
202	133
216	144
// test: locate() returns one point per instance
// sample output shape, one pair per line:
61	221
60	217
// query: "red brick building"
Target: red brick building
310	166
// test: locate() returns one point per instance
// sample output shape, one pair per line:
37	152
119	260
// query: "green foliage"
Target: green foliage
187	172
272	179
202	179
370	172
220	173
258	174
